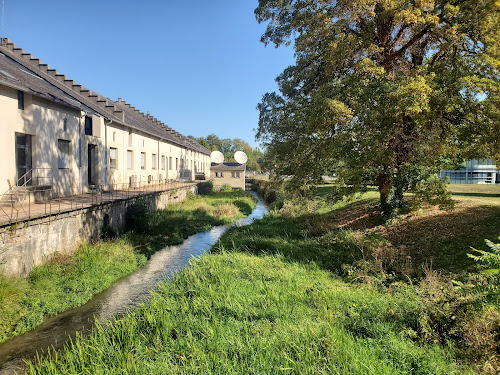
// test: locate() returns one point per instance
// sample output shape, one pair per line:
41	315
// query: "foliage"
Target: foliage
382	92
137	216
205	188
433	191
225	188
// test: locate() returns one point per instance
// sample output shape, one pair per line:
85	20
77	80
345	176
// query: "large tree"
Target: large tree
382	90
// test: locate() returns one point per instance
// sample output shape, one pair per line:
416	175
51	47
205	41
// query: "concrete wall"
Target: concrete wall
31	244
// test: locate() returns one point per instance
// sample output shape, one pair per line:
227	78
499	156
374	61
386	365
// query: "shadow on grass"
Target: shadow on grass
343	236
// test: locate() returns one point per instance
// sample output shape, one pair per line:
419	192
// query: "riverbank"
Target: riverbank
70	280
313	288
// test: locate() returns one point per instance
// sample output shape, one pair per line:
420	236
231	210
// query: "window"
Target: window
163	162
235	174
143	160
20	99
130	137
153	161
170	162
112	158
130	159
65	124
176	164
63	157
88	125
219	174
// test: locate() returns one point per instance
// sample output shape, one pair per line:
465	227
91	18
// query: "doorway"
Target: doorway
91	164
23	159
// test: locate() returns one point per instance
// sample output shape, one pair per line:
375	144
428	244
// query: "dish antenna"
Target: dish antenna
217	157
240	157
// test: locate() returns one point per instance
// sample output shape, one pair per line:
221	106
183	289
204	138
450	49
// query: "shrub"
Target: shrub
226	210
205	188
226	188
138	215
434	191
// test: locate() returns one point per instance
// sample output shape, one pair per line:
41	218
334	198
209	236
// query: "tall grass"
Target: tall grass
241	314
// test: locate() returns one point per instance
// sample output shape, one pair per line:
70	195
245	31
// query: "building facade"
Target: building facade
232	174
475	172
57	133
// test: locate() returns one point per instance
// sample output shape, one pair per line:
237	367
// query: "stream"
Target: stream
114	301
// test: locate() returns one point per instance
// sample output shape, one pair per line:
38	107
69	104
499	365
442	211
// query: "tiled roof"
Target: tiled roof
227	167
22	68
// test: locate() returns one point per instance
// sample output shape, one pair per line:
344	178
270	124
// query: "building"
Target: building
232	174
475	172
60	134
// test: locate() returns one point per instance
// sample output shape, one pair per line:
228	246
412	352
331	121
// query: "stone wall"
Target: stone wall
29	244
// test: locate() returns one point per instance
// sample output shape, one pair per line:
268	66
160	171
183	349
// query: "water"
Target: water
122	295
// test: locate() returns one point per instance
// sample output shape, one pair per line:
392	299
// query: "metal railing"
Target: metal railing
54	201
13	201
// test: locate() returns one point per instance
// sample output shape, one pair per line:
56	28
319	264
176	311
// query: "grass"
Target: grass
313	288
241	314
67	281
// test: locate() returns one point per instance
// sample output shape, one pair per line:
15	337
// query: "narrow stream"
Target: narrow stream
120	296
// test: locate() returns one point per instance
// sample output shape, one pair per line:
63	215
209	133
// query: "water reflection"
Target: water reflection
122	295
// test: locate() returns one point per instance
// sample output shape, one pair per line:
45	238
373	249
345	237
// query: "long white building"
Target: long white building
55	132
475	172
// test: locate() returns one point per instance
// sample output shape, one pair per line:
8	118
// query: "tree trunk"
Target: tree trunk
384	189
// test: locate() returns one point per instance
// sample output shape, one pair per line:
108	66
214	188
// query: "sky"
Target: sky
198	65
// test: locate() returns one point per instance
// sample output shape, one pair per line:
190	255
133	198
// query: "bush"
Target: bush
205	188
226	188
434	191
138	215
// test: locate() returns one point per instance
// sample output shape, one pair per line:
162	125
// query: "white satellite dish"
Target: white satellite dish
240	157
217	157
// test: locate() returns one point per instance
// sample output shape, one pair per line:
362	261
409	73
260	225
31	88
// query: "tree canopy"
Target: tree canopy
382	91
229	146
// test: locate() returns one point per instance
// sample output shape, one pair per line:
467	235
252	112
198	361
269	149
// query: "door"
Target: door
23	159
91	153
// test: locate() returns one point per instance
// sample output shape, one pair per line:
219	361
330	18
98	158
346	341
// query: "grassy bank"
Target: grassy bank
70	280
241	314
316	288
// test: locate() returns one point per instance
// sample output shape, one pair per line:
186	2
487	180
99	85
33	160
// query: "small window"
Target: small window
112	158
130	159
219	174
65	124
176	164
235	174
63	157
130	137
170	166
163	162
20	100
143	160
88	125
153	161
114	136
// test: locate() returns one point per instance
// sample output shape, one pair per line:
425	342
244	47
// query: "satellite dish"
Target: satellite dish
217	157
240	157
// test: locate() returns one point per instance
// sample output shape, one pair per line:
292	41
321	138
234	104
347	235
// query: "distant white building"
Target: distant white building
475	172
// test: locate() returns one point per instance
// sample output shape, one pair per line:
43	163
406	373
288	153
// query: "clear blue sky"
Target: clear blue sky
196	65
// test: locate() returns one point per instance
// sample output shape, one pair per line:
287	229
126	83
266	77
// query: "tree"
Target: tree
381	90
